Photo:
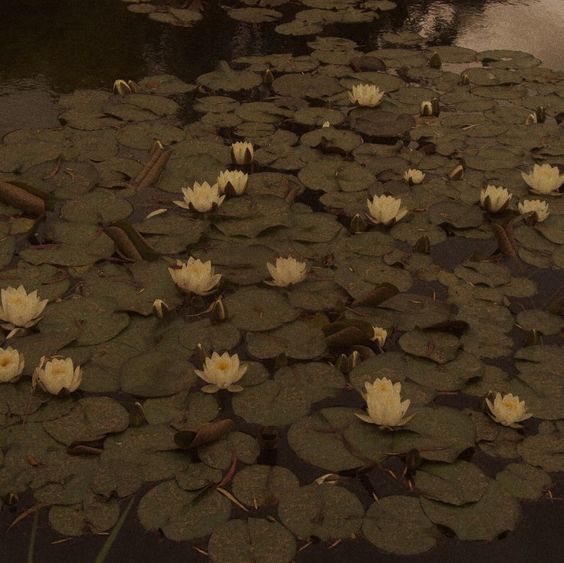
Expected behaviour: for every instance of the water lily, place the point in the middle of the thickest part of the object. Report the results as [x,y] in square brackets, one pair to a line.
[385,210]
[221,372]
[242,152]
[19,308]
[232,182]
[426,108]
[413,176]
[367,95]
[286,271]
[508,410]
[195,276]
[544,179]
[326,124]
[11,364]
[384,404]
[160,308]
[495,199]
[379,335]
[55,375]
[201,197]
[536,206]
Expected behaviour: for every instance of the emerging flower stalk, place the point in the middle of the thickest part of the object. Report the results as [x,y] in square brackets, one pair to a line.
[195,276]
[384,404]
[221,372]
[57,375]
[201,198]
[544,179]
[508,410]
[495,199]
[367,95]
[385,210]
[20,309]
[287,271]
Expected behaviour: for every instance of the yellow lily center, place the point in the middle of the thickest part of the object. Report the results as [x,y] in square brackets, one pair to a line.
[5,362]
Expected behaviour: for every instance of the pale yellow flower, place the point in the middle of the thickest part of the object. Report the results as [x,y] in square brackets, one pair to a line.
[11,364]
[287,271]
[536,206]
[20,309]
[242,152]
[221,372]
[495,199]
[384,404]
[508,410]
[201,197]
[385,210]
[379,335]
[195,276]
[544,179]
[235,179]
[367,95]
[413,176]
[55,375]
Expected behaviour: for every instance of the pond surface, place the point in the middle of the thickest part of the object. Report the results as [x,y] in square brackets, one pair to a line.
[471,298]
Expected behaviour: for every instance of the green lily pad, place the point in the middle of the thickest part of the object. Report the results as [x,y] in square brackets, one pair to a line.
[523,481]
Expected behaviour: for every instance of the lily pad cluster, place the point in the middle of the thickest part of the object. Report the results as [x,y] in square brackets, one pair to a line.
[469,299]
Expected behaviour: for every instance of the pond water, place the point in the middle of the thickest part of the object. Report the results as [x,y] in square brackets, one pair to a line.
[471,296]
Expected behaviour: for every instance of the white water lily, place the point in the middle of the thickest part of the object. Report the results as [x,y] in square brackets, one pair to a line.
[385,209]
[508,410]
[367,95]
[19,308]
[160,308]
[544,179]
[233,180]
[326,124]
[55,375]
[413,176]
[495,199]
[384,404]
[379,335]
[426,109]
[195,276]
[221,372]
[11,364]
[286,271]
[242,152]
[536,206]
[201,197]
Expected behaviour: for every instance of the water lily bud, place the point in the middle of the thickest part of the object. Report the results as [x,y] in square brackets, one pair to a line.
[508,410]
[232,182]
[426,109]
[326,124]
[456,173]
[384,404]
[495,199]
[385,210]
[242,152]
[286,271]
[328,479]
[57,375]
[199,356]
[358,224]
[221,372]
[412,461]
[368,95]
[544,179]
[379,335]
[464,79]
[137,415]
[11,364]
[157,147]
[531,119]
[267,77]
[536,206]
[160,308]
[435,61]
[133,86]
[121,87]
[218,313]
[435,107]
[201,198]
[413,176]
[20,309]
[195,276]
[540,114]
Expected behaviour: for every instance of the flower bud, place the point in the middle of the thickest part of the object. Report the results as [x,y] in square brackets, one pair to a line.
[267,77]
[456,173]
[358,224]
[160,308]
[218,313]
[464,79]
[540,114]
[531,119]
[426,109]
[121,87]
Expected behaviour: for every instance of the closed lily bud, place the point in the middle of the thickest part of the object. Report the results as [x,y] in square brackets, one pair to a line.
[157,147]
[242,152]
[495,199]
[218,313]
[358,224]
[426,109]
[531,119]
[267,77]
[536,206]
[379,335]
[121,87]
[160,308]
[413,176]
[540,114]
[456,173]
[464,79]
[435,61]
[232,182]
[326,124]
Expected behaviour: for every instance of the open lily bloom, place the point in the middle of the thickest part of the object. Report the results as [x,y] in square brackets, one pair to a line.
[508,410]
[544,179]
[286,271]
[368,95]
[55,375]
[379,335]
[202,197]
[20,309]
[11,364]
[413,176]
[495,199]
[221,372]
[232,180]
[195,276]
[536,206]
[385,210]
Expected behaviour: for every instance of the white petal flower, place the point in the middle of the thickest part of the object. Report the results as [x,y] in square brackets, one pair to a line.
[536,206]
[544,179]
[242,152]
[495,198]
[195,276]
[221,372]
[11,364]
[379,335]
[366,95]
[20,309]
[385,209]
[384,404]
[326,124]
[413,176]
[287,271]
[160,308]
[202,197]
[508,410]
[55,375]
[234,180]
[426,109]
